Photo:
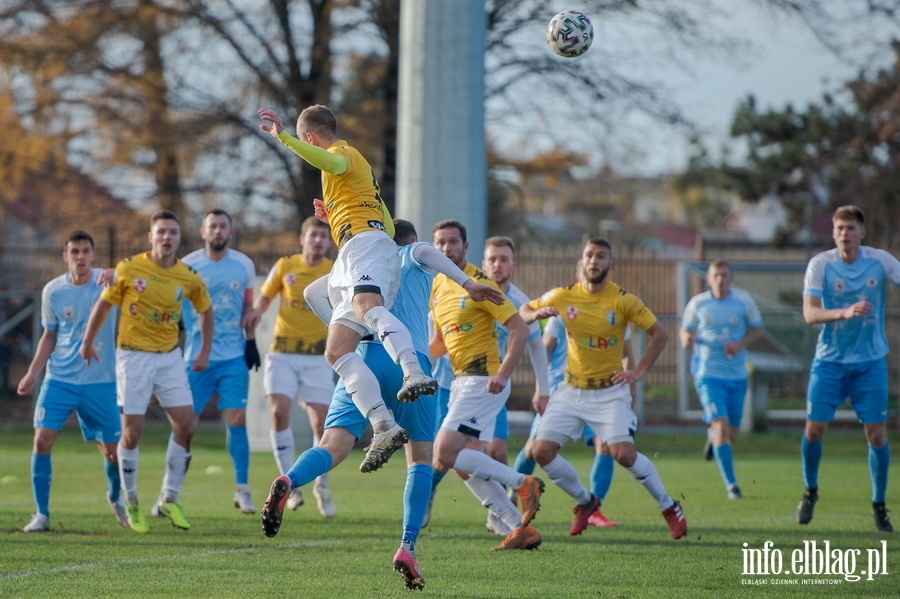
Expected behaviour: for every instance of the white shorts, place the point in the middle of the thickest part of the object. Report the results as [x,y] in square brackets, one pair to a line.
[472,410]
[307,374]
[369,262]
[607,411]
[140,374]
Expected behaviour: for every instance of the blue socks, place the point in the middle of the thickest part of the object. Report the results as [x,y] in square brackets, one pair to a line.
[726,463]
[811,454]
[239,450]
[415,501]
[601,475]
[879,460]
[113,482]
[309,466]
[41,473]
[523,464]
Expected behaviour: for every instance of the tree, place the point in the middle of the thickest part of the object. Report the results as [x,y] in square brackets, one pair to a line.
[842,149]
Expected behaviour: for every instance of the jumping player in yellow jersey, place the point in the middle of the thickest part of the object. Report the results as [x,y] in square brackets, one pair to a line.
[149,290]
[296,361]
[363,283]
[466,330]
[595,391]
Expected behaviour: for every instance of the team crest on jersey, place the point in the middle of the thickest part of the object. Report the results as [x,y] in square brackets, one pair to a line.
[571,312]
[289,280]
[179,294]
[140,285]
[707,320]
[235,285]
[68,312]
[611,317]
[872,282]
[839,285]
[462,302]
[735,319]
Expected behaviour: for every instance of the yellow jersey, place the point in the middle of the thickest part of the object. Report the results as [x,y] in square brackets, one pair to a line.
[151,297]
[467,326]
[595,330]
[353,198]
[297,329]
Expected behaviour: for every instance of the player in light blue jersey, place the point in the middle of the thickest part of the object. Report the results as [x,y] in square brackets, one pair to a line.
[718,325]
[844,289]
[230,276]
[345,424]
[69,384]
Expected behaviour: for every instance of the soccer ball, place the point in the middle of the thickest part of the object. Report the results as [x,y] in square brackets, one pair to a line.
[570,33]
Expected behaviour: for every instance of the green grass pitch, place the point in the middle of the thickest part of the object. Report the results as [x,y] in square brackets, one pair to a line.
[87,554]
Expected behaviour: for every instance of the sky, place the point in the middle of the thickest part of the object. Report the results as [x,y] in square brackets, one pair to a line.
[783,64]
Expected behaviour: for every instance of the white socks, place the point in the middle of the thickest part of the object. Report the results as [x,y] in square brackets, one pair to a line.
[395,337]
[128,467]
[481,465]
[178,459]
[493,497]
[283,448]
[645,473]
[563,474]
[364,389]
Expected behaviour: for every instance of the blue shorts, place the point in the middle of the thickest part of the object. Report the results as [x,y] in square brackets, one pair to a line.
[501,425]
[442,406]
[722,398]
[228,378]
[94,403]
[416,417]
[831,382]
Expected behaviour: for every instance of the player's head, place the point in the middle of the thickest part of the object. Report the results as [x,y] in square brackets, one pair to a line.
[719,278]
[315,238]
[849,228]
[404,232]
[596,261]
[78,252]
[165,233]
[449,236]
[499,258]
[216,229]
[317,125]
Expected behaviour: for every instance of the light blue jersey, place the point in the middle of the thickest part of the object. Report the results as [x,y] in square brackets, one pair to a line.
[517,297]
[230,282]
[840,285]
[65,308]
[415,284]
[716,323]
[557,329]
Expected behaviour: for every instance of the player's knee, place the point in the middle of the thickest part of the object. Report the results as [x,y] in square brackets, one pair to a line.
[544,452]
[876,436]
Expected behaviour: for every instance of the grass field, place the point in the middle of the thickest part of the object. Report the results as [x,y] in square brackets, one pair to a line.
[226,555]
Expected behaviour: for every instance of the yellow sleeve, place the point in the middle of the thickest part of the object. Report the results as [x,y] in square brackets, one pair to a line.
[320,158]
[272,285]
[388,220]
[114,293]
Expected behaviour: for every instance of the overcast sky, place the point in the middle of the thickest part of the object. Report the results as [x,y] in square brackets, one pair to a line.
[786,64]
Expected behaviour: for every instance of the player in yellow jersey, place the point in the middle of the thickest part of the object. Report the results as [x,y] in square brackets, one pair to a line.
[149,290]
[466,330]
[595,391]
[363,283]
[296,361]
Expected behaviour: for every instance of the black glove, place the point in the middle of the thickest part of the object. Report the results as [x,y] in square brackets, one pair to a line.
[251,355]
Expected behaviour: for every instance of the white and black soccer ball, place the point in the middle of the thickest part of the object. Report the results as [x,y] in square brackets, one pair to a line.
[570,33]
